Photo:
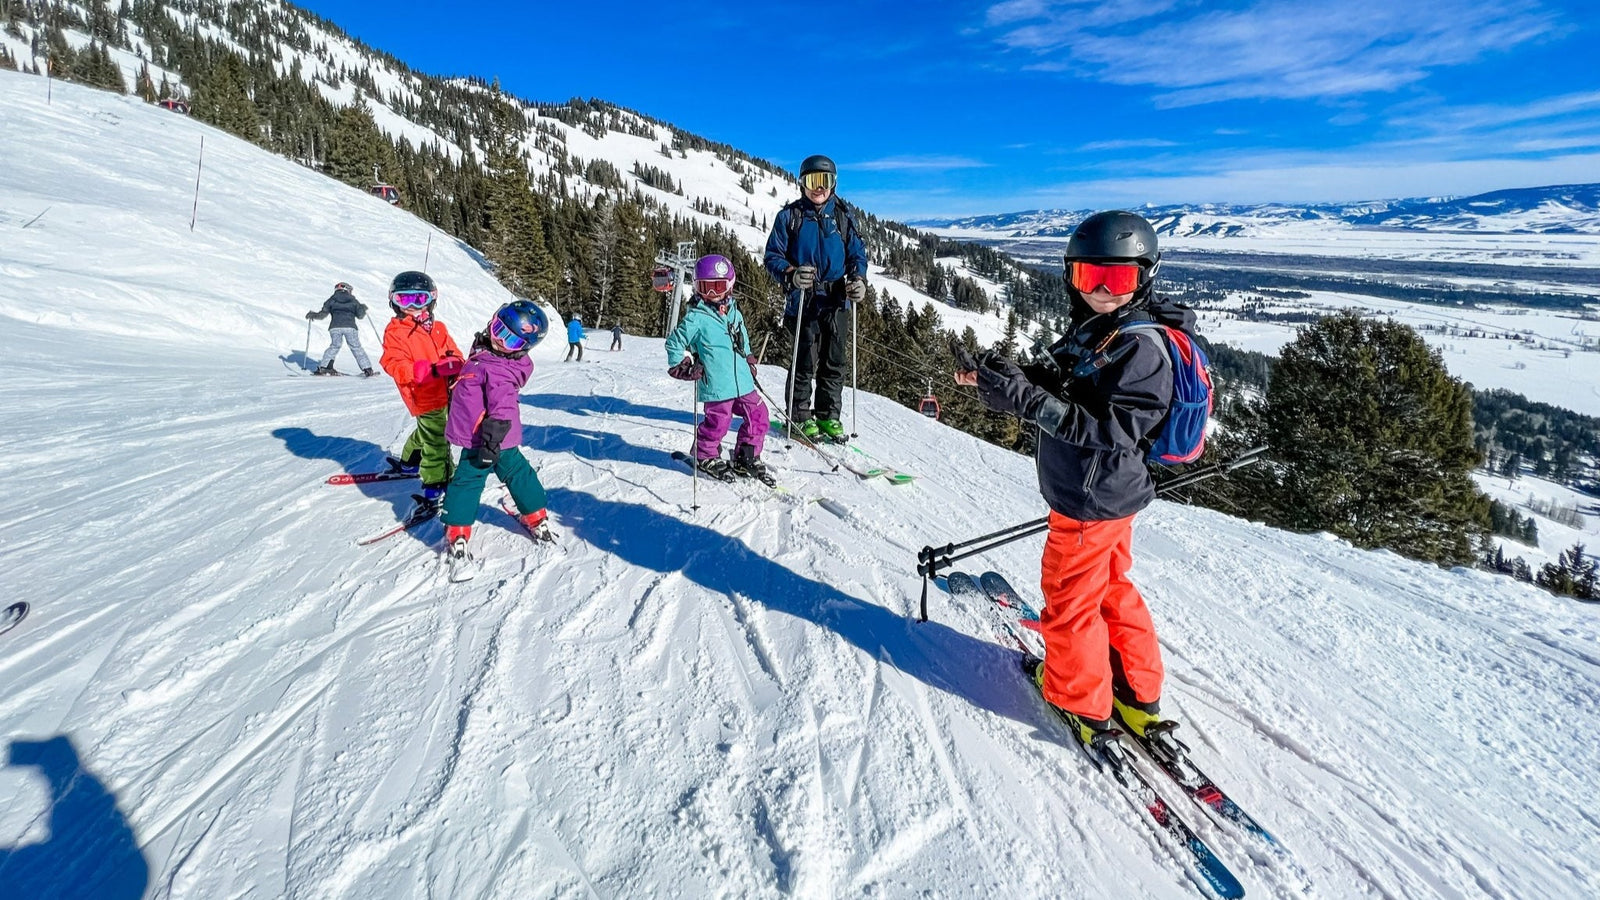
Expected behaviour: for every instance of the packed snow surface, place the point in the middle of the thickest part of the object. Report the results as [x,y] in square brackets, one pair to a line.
[218,694]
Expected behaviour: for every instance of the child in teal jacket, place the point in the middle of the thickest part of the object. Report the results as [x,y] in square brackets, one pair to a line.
[712,337]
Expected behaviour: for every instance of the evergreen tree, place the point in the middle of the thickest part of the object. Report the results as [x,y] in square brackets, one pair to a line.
[514,226]
[145,87]
[355,146]
[223,98]
[1372,440]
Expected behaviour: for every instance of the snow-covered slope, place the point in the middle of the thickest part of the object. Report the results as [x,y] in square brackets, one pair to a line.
[729,701]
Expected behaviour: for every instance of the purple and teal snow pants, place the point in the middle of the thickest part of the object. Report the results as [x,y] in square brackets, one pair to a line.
[719,417]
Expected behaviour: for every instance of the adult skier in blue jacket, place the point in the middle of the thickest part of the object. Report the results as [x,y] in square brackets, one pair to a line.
[575,338]
[815,252]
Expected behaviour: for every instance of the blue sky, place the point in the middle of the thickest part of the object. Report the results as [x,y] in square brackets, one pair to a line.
[966,108]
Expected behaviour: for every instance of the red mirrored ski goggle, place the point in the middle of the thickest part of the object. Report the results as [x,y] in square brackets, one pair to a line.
[714,288]
[1118,278]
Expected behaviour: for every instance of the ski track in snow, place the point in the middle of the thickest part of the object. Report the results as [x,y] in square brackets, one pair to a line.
[732,701]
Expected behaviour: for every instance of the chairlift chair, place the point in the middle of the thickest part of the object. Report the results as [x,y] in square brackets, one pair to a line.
[662,279]
[386,192]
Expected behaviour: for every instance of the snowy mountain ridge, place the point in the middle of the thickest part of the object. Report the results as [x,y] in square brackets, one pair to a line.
[1554,209]
[218,694]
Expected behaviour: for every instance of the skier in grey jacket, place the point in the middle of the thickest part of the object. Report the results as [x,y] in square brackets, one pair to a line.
[345,310]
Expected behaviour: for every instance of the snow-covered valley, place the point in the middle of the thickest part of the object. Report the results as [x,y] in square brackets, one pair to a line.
[730,701]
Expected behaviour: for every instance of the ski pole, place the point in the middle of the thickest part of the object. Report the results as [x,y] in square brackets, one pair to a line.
[307,352]
[694,438]
[855,386]
[804,441]
[931,559]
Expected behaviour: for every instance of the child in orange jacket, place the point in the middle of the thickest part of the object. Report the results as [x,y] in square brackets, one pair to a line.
[420,356]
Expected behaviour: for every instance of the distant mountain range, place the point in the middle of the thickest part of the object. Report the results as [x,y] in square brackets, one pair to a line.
[1556,209]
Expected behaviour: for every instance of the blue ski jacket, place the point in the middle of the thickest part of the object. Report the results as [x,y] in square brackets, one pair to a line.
[815,240]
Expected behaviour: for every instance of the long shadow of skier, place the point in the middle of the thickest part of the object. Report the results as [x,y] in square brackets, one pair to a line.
[587,404]
[598,446]
[91,851]
[977,671]
[351,455]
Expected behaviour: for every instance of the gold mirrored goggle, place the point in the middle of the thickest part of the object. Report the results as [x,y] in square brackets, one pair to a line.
[813,180]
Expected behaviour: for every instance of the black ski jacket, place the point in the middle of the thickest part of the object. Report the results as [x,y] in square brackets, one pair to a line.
[1094,430]
[345,309]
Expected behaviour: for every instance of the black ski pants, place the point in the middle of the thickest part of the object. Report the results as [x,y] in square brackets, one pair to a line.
[824,332]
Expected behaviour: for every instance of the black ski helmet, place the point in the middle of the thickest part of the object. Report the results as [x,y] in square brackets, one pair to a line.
[407,282]
[1115,236]
[819,163]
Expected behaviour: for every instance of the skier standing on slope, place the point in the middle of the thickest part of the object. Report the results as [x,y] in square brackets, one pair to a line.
[616,336]
[575,338]
[345,310]
[420,356]
[1097,401]
[815,252]
[486,423]
[711,337]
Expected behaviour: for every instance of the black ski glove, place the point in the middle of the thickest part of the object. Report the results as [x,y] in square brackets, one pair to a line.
[311,315]
[1003,387]
[687,369]
[490,436]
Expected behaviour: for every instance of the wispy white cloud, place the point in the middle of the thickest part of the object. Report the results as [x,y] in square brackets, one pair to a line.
[917,163]
[1127,144]
[1267,49]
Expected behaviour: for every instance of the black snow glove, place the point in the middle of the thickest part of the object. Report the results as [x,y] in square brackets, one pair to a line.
[1004,386]
[490,436]
[311,315]
[687,369]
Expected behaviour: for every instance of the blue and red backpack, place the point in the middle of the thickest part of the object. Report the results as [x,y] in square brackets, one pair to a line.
[1182,435]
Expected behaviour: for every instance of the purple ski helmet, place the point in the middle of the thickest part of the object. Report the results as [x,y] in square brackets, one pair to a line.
[713,277]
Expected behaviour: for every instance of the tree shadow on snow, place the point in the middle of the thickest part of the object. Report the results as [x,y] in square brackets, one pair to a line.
[91,851]
[982,673]
[350,455]
[596,405]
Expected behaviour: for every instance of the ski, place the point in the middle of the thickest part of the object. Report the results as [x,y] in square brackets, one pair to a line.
[460,562]
[890,474]
[1116,759]
[1171,756]
[1016,622]
[540,535]
[1168,753]
[419,514]
[369,477]
[12,616]
[683,458]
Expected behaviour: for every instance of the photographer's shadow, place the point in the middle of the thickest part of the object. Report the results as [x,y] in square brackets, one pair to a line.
[91,851]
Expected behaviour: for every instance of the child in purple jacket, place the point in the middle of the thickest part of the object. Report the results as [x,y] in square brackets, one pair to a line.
[484,416]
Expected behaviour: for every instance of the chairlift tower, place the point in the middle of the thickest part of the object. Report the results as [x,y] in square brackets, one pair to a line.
[683,261]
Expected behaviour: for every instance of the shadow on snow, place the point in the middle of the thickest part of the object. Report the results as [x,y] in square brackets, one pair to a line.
[981,673]
[91,851]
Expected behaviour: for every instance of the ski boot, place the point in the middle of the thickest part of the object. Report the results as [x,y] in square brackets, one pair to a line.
[326,369]
[455,543]
[1098,738]
[833,430]
[367,373]
[1156,733]
[401,467]
[538,528]
[715,467]
[427,503]
[809,429]
[747,465]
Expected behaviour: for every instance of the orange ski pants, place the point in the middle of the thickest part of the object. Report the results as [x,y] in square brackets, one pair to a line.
[1094,618]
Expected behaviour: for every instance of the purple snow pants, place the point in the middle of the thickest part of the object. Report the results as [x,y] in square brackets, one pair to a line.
[719,416]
